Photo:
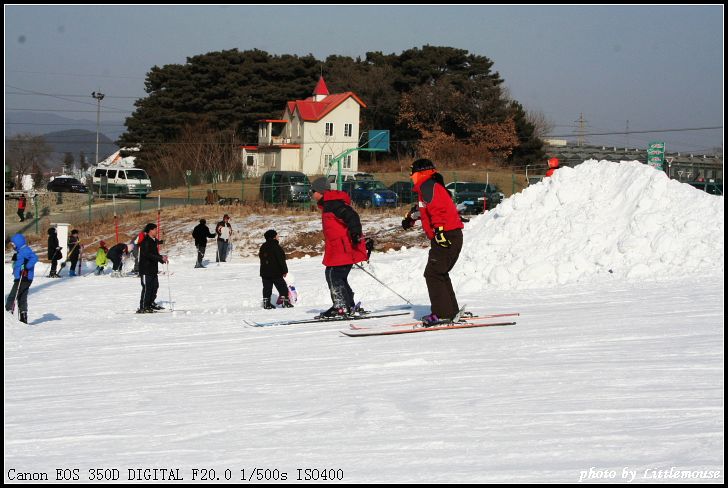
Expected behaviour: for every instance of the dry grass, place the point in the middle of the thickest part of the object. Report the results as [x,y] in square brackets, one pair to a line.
[176,221]
[508,181]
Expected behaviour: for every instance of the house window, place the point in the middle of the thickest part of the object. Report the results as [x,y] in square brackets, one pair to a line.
[250,161]
[348,129]
[328,158]
[329,129]
[347,162]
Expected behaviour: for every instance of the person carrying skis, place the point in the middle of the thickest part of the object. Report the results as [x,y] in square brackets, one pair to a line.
[201,233]
[23,272]
[344,246]
[74,249]
[101,256]
[273,270]
[115,255]
[54,252]
[224,232]
[441,222]
[149,259]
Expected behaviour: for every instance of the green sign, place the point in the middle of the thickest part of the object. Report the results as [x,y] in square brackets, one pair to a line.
[656,155]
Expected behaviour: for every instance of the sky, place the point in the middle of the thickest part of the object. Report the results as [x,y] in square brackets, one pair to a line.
[643,67]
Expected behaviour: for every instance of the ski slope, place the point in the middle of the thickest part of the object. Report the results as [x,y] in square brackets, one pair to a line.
[607,375]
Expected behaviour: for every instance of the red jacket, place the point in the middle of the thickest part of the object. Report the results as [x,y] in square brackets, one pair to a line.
[436,207]
[340,222]
[21,204]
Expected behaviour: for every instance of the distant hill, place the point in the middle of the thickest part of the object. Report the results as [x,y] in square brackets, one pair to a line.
[75,141]
[38,123]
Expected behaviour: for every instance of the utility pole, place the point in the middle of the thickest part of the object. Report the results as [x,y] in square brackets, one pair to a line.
[580,130]
[98,96]
[626,131]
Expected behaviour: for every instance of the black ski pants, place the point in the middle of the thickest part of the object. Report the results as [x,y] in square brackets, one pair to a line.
[341,293]
[150,285]
[200,253]
[280,285]
[117,263]
[441,260]
[18,294]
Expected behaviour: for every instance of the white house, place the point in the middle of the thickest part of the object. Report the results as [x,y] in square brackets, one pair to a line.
[309,134]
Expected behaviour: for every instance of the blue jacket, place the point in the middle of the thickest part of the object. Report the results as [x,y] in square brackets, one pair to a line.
[26,257]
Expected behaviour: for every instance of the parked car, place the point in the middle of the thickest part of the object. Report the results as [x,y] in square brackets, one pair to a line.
[712,187]
[66,184]
[285,187]
[370,193]
[470,196]
[404,191]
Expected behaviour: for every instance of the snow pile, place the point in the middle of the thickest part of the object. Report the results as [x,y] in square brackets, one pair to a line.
[599,221]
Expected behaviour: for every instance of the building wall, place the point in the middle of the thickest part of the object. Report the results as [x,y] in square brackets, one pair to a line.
[315,143]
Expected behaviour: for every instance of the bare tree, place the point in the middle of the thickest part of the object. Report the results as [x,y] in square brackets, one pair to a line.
[542,125]
[26,154]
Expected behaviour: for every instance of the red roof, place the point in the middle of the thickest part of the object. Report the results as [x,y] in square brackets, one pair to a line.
[321,88]
[312,111]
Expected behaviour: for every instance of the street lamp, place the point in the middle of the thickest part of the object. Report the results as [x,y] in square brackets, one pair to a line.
[98,96]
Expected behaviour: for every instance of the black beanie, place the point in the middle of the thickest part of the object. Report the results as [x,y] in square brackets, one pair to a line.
[149,227]
[270,234]
[422,165]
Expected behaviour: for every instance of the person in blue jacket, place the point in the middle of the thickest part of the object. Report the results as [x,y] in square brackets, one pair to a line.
[23,272]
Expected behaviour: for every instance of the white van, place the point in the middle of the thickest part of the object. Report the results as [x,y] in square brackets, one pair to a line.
[121,181]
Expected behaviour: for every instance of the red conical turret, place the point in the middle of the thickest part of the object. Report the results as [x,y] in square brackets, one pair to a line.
[321,88]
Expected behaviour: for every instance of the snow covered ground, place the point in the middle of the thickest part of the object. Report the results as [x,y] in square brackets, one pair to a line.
[607,375]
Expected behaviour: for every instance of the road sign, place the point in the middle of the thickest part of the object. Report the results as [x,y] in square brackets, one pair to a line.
[656,155]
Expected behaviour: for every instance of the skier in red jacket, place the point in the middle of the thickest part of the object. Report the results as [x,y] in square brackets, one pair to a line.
[344,246]
[442,224]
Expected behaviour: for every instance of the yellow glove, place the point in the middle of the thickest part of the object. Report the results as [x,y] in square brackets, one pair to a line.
[440,238]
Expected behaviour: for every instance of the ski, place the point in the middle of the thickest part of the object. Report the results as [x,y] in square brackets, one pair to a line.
[134,312]
[474,317]
[334,319]
[454,325]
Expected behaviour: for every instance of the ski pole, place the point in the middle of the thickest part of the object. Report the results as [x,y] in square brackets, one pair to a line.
[17,292]
[381,283]
[169,289]
[384,231]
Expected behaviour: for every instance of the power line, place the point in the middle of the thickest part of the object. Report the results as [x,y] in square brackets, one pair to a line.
[76,74]
[33,92]
[74,96]
[62,110]
[642,131]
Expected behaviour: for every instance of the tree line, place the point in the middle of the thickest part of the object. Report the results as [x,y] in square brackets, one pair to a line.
[438,102]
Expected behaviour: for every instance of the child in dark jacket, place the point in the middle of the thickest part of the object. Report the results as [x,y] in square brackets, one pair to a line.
[273,270]
[54,252]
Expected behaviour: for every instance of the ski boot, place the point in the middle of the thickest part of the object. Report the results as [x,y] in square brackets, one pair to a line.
[433,320]
[286,303]
[267,304]
[156,307]
[356,311]
[24,317]
[333,313]
[145,310]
